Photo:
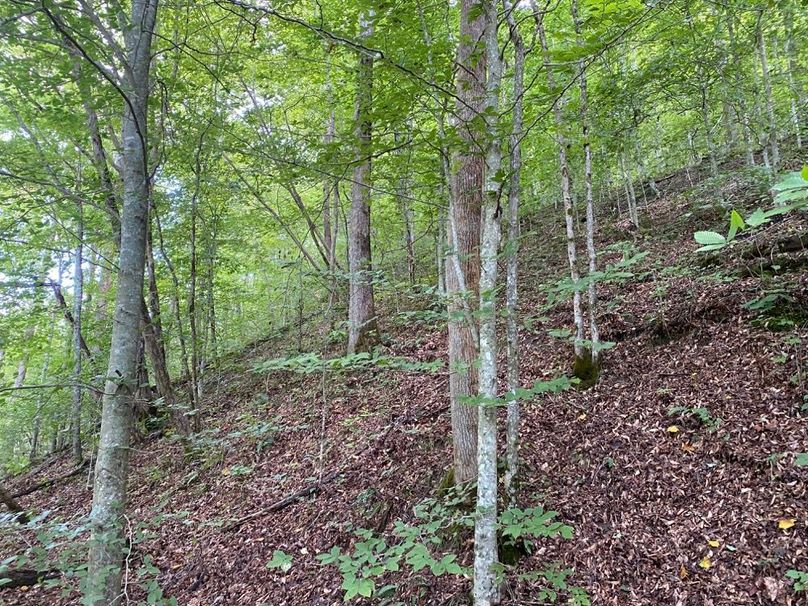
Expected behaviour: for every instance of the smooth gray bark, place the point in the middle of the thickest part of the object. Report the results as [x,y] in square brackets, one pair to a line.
[78,296]
[512,267]
[486,590]
[773,144]
[107,541]
[566,187]
[594,335]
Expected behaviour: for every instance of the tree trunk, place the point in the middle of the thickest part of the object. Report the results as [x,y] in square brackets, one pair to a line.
[511,290]
[178,321]
[464,220]
[107,541]
[592,292]
[797,100]
[708,132]
[566,188]
[363,332]
[78,296]
[739,92]
[631,199]
[486,590]
[407,215]
[329,192]
[41,399]
[774,146]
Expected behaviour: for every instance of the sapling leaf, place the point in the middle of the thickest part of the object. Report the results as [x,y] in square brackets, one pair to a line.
[709,238]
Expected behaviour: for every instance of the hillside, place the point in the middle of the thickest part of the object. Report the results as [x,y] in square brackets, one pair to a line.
[676,470]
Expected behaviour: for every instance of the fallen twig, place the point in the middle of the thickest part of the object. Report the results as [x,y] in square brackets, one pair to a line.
[51,481]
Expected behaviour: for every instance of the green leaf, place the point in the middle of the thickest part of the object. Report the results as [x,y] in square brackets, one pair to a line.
[804,172]
[801,460]
[280,560]
[709,238]
[735,223]
[757,218]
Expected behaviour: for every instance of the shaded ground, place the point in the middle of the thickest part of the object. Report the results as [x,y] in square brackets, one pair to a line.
[677,507]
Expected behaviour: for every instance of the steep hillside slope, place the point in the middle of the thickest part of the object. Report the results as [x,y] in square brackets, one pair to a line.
[677,470]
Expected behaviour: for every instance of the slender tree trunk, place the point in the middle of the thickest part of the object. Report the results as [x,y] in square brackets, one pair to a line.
[774,146]
[631,199]
[107,541]
[566,188]
[486,590]
[797,100]
[176,308]
[363,332]
[193,315]
[512,273]
[464,219]
[155,344]
[739,92]
[708,132]
[592,292]
[407,215]
[78,296]
[211,294]
[40,404]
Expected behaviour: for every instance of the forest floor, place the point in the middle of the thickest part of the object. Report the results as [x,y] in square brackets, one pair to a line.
[676,471]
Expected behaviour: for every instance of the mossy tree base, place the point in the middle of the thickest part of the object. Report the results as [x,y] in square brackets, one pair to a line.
[586,370]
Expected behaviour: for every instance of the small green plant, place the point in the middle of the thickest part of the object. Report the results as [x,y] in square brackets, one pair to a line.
[800,578]
[423,546]
[61,545]
[776,309]
[700,413]
[239,470]
[554,583]
[280,561]
[792,189]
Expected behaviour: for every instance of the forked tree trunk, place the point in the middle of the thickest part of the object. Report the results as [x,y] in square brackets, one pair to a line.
[107,541]
[363,332]
[463,227]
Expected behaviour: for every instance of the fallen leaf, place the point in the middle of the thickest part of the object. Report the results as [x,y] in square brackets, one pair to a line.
[705,563]
[714,543]
[682,572]
[786,523]
[673,429]
[688,447]
[582,417]
[772,587]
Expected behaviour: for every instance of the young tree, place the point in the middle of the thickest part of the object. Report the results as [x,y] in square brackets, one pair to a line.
[566,186]
[363,331]
[486,590]
[107,541]
[78,294]
[512,268]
